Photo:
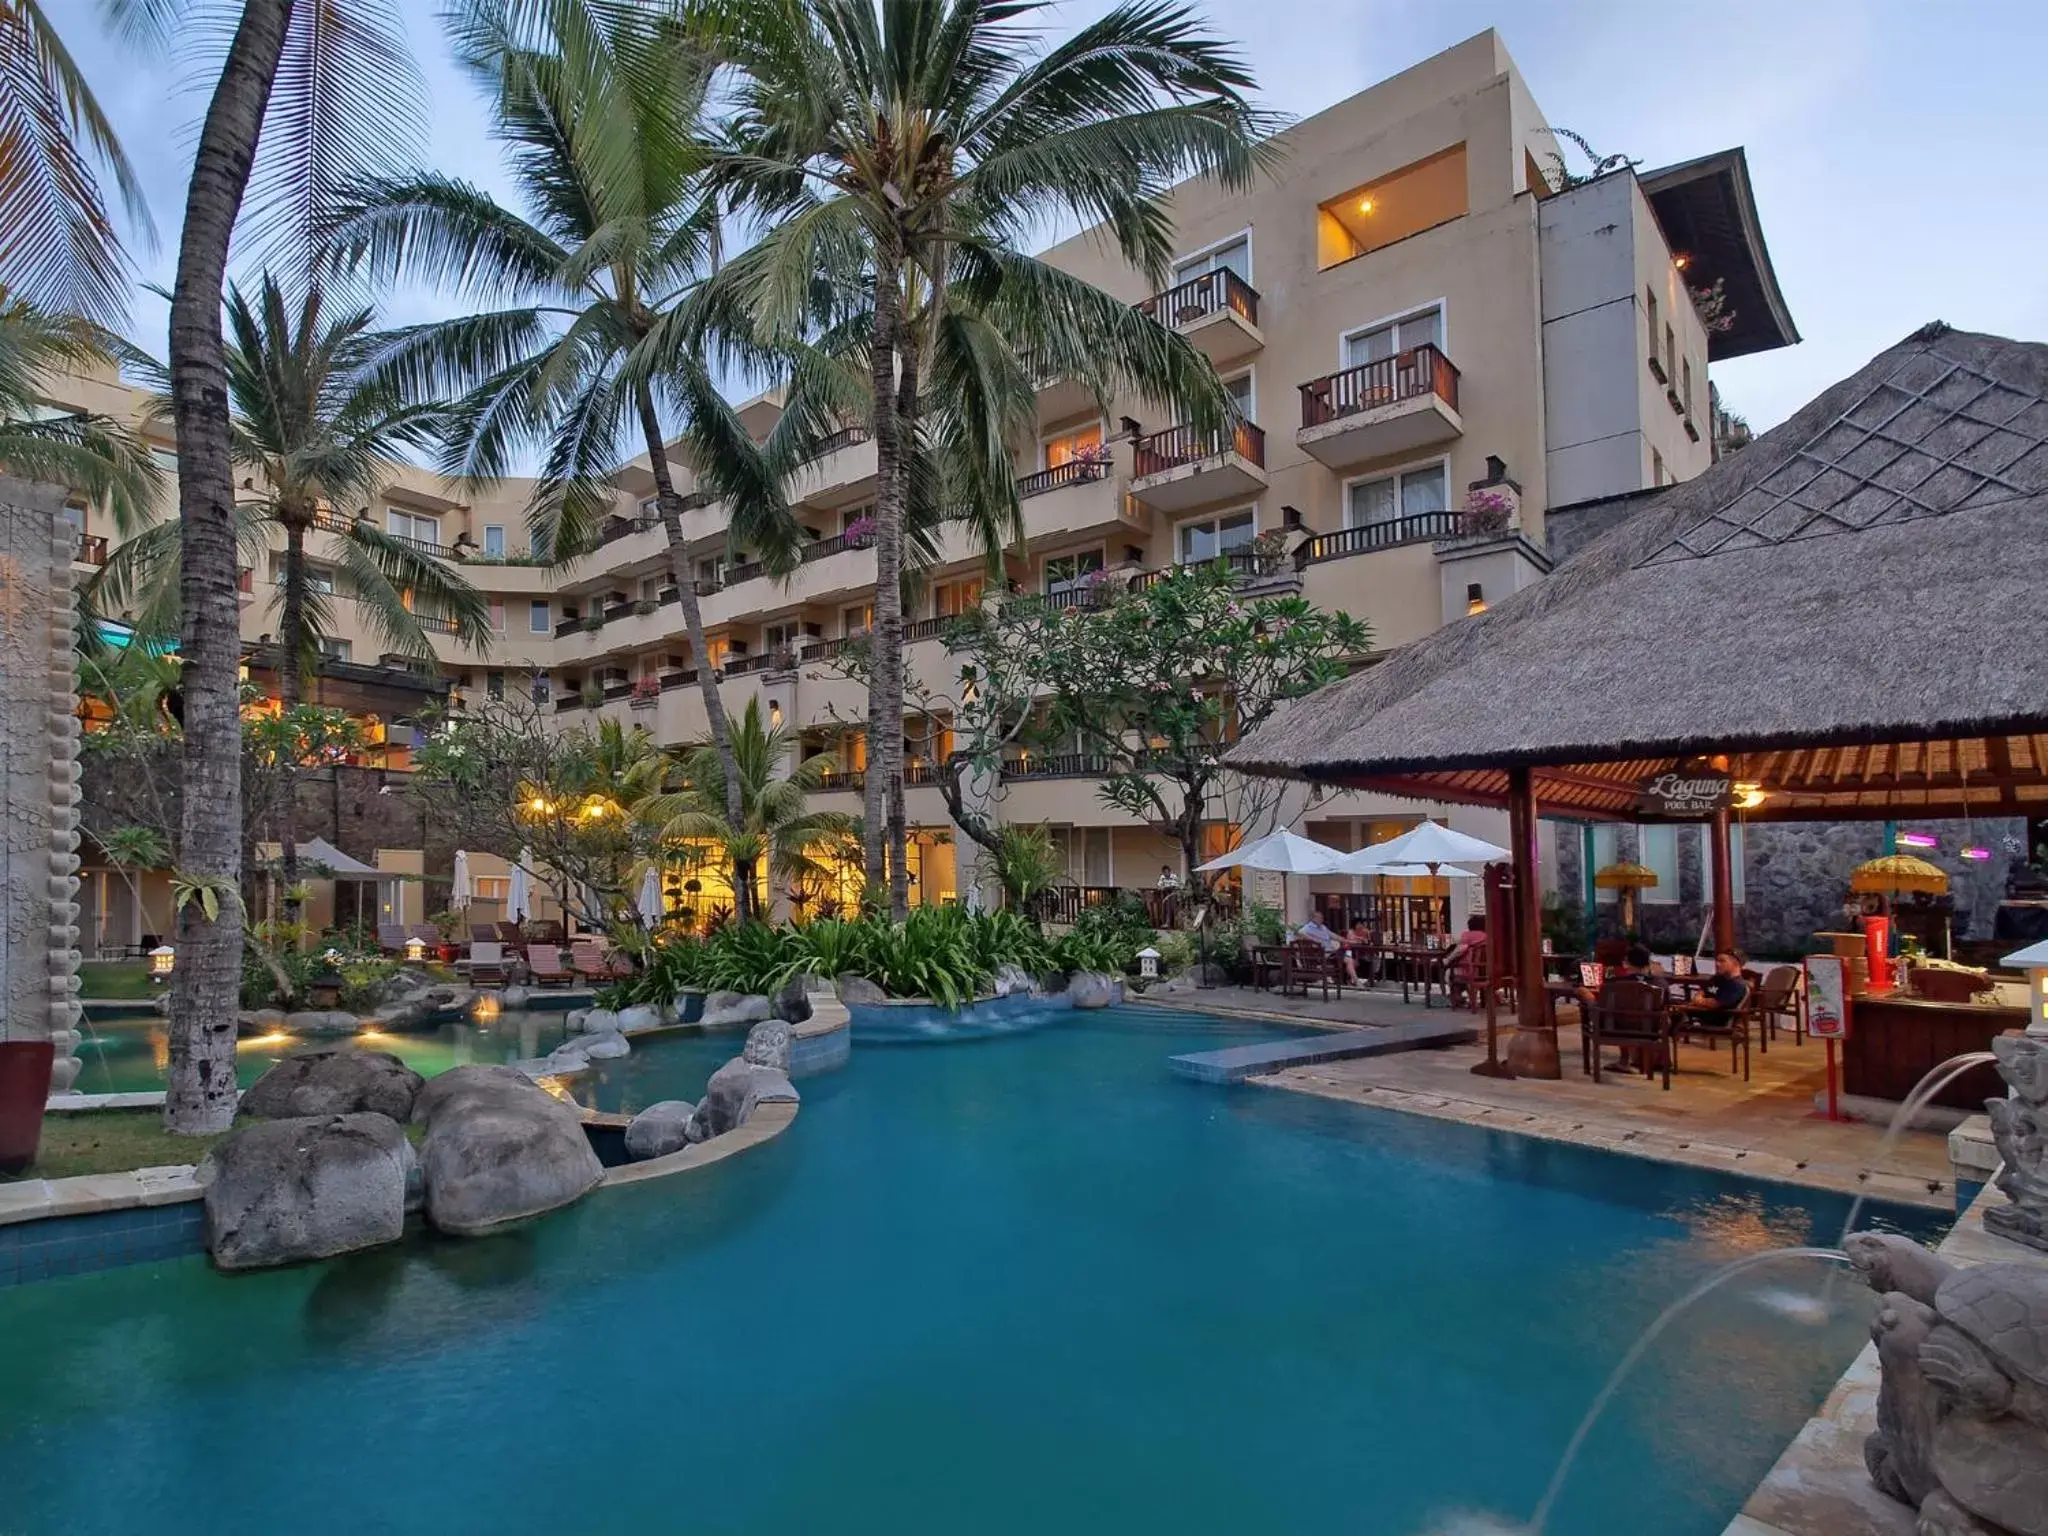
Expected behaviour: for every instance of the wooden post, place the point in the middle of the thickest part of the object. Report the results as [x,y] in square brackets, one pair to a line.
[1724,884]
[1533,1051]
[1496,952]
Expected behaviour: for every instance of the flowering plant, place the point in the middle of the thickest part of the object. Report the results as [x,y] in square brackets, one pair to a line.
[1488,511]
[648,686]
[860,530]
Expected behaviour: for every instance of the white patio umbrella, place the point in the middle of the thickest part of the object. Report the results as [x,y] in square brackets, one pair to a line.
[1430,843]
[650,904]
[1420,872]
[1282,852]
[519,899]
[459,892]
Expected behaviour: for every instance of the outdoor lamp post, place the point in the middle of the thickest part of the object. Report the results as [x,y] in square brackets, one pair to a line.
[161,960]
[415,948]
[2034,960]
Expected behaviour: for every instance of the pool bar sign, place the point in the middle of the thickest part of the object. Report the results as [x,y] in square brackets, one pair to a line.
[1827,999]
[1685,794]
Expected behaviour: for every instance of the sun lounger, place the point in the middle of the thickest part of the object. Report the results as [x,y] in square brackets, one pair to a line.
[544,964]
[487,963]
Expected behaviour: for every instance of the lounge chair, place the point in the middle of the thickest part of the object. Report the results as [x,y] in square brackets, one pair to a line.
[487,963]
[544,965]
[587,961]
[391,937]
[483,933]
[548,931]
[512,936]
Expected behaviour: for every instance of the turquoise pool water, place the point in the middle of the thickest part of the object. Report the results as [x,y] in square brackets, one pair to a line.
[1013,1286]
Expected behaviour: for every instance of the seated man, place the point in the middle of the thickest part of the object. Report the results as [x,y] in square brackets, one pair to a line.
[1635,966]
[1317,931]
[1717,1005]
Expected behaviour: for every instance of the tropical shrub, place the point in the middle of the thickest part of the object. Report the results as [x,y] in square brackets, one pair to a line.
[1092,950]
[667,970]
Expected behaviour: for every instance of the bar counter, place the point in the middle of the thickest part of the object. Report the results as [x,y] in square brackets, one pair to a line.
[1896,1039]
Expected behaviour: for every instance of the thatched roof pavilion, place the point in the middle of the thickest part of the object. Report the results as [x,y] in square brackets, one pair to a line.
[1853,610]
[1849,614]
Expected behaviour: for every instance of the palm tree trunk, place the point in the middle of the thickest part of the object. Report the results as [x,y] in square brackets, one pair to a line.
[291,633]
[201,1088]
[881,831]
[671,507]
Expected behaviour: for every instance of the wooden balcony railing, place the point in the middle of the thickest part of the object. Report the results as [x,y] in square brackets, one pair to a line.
[90,549]
[1056,765]
[1200,297]
[1184,445]
[846,437]
[434,624]
[1410,375]
[1073,472]
[1367,537]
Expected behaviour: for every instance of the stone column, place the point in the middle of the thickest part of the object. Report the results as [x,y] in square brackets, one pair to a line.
[39,938]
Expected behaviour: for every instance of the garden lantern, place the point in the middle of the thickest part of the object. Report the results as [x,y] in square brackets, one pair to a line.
[2034,961]
[415,948]
[1148,962]
[161,960]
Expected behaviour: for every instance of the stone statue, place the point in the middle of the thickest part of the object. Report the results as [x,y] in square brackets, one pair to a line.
[1962,1415]
[2019,1125]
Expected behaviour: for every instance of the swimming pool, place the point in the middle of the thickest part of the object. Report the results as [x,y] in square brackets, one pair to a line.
[1011,1285]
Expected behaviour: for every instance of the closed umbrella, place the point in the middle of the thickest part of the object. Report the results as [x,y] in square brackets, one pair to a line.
[1282,852]
[519,899]
[650,903]
[459,892]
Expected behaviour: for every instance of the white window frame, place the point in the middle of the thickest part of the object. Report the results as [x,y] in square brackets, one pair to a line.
[335,648]
[1250,255]
[411,518]
[1250,374]
[1442,460]
[1442,306]
[1101,551]
[1180,549]
[504,545]
[538,609]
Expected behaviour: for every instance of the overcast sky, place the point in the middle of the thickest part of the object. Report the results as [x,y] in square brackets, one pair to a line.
[1897,146]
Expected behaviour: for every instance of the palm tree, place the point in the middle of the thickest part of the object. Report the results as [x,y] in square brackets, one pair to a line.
[101,458]
[600,106]
[899,156]
[336,86]
[58,249]
[773,826]
[318,426]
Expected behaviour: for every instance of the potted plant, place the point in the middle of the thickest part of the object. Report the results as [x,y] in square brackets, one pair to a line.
[594,621]
[646,691]
[1091,463]
[860,533]
[447,924]
[592,693]
[1487,511]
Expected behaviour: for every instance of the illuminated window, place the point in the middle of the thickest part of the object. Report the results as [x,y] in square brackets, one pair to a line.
[1416,197]
[857,620]
[491,887]
[956,597]
[1070,445]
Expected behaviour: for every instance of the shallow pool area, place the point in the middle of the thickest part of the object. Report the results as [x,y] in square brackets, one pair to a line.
[1013,1284]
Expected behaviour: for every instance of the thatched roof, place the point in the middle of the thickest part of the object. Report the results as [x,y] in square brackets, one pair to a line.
[1852,608]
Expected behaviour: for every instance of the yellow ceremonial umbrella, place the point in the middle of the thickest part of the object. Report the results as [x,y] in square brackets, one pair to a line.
[1898,872]
[1626,878]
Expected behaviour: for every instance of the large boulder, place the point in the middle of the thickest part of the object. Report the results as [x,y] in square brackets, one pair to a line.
[398,987]
[592,1021]
[321,1021]
[515,996]
[734,1092]
[767,1045]
[725,1010]
[659,1129]
[260,1021]
[641,1016]
[792,1004]
[1093,989]
[499,1149]
[283,1191]
[608,1046]
[339,1080]
[858,991]
[1013,980]
[570,1055]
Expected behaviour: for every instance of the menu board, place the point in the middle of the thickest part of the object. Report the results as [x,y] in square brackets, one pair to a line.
[1827,998]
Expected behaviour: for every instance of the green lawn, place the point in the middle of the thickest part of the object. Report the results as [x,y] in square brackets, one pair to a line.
[110,1141]
[120,980]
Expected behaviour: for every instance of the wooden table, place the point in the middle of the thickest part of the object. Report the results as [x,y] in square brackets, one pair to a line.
[1418,964]
[1894,1041]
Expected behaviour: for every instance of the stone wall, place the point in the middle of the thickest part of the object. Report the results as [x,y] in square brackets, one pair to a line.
[1795,879]
[39,740]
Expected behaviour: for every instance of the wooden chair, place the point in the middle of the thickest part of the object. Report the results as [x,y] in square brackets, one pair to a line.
[487,963]
[1629,1012]
[544,965]
[1780,1000]
[1324,967]
[1732,1027]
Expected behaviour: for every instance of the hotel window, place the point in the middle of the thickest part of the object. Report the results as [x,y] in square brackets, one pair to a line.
[412,525]
[952,598]
[537,688]
[538,619]
[1650,315]
[650,588]
[1204,541]
[494,540]
[1658,849]
[1063,573]
[1416,197]
[857,620]
[853,515]
[1070,445]
[497,616]
[334,649]
[1239,389]
[494,684]
[1656,467]
[1233,254]
[1423,328]
[491,887]
[1670,353]
[1392,498]
[1685,388]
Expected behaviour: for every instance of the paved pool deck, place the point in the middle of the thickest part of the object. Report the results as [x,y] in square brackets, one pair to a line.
[1767,1128]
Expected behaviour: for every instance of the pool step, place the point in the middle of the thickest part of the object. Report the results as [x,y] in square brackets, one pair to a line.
[1238,1062]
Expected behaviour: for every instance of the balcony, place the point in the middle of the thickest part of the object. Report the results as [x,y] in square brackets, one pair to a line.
[1182,468]
[1385,407]
[1426,527]
[89,549]
[1078,497]
[1218,312]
